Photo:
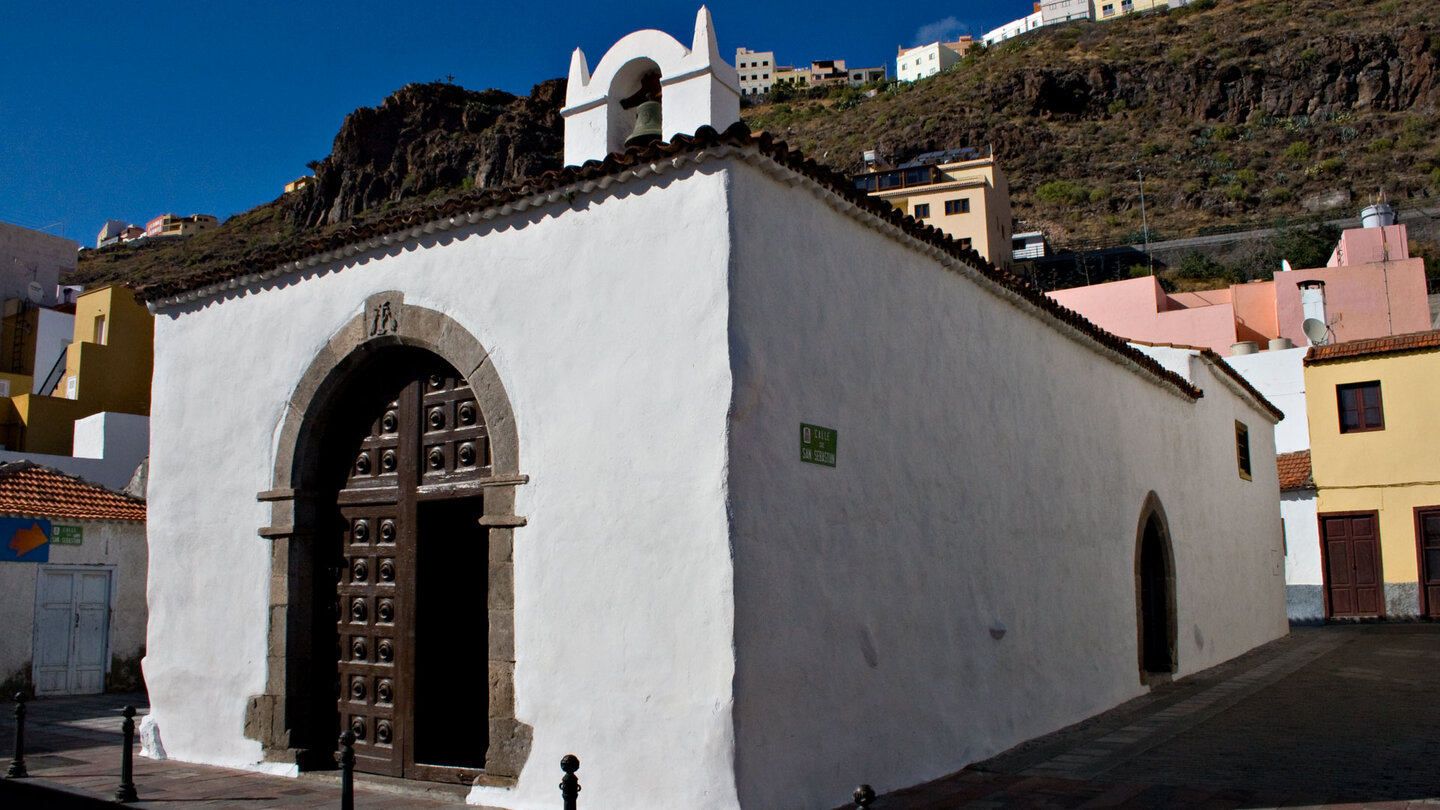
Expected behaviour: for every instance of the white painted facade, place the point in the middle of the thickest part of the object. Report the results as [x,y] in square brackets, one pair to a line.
[699,88]
[1014,28]
[116,548]
[31,263]
[1304,574]
[704,619]
[1280,375]
[926,60]
[54,331]
[707,594]
[1058,11]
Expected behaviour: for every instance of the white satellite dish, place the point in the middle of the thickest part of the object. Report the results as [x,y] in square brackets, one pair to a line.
[1316,330]
[35,292]
[1285,265]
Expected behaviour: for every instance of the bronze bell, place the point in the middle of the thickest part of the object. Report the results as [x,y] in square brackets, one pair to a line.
[647,124]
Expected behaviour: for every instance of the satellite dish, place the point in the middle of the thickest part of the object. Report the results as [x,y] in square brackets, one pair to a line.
[1316,330]
[35,292]
[1285,265]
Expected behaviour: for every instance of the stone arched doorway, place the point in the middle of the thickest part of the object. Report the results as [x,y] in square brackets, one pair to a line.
[1155,594]
[391,587]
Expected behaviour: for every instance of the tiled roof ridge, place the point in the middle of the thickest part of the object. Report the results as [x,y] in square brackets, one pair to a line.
[1294,471]
[1389,344]
[124,506]
[738,135]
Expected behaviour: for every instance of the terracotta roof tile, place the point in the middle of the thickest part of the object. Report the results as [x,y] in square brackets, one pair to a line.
[739,136]
[1294,470]
[34,491]
[1391,344]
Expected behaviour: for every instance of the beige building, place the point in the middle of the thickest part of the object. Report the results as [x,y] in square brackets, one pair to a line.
[958,192]
[171,225]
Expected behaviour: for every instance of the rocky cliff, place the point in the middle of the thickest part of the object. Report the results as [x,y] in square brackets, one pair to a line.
[428,138]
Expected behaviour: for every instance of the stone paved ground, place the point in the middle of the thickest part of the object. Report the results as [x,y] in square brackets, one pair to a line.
[1343,716]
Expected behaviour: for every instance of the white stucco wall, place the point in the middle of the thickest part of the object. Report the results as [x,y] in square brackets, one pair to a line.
[1304,574]
[53,333]
[1280,376]
[991,473]
[606,320]
[116,545]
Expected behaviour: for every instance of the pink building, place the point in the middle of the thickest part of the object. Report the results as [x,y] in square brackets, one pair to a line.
[1372,288]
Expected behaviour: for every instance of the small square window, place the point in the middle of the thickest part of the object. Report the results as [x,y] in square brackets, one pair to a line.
[1242,449]
[922,210]
[960,206]
[966,243]
[1360,407]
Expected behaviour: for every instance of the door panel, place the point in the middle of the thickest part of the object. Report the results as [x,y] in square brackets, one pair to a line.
[72,632]
[426,443]
[1427,531]
[1353,583]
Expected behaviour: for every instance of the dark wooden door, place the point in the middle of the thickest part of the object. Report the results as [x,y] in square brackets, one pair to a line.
[1427,536]
[1353,584]
[412,578]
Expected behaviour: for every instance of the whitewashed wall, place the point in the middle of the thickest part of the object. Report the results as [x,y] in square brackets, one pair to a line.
[1304,574]
[991,474]
[606,320]
[1280,376]
[116,545]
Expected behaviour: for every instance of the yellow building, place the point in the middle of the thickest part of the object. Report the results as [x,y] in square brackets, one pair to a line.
[958,192]
[1376,463]
[107,368]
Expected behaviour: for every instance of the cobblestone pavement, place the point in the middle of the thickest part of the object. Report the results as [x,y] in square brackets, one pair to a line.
[1341,716]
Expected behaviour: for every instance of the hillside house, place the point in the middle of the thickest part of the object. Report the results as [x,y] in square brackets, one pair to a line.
[962,192]
[72,583]
[727,474]
[1375,461]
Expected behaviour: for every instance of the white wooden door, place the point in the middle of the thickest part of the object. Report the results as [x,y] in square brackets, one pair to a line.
[72,622]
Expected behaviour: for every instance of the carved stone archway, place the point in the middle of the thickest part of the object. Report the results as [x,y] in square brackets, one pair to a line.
[289,719]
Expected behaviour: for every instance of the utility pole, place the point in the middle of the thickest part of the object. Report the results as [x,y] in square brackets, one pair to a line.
[1145,222]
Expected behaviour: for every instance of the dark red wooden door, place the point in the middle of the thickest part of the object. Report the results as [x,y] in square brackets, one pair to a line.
[1427,535]
[412,577]
[1353,583]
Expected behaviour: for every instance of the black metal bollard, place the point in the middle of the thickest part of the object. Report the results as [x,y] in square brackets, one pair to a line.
[570,784]
[863,796]
[347,770]
[126,791]
[17,763]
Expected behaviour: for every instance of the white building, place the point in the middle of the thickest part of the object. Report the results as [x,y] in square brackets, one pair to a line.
[740,485]
[756,70]
[1059,11]
[72,583]
[927,60]
[1014,28]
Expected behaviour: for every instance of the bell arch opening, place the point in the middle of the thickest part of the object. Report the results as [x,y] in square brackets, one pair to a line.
[1155,594]
[392,584]
[635,84]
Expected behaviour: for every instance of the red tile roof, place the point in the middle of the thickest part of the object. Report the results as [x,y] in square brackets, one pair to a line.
[1391,344]
[1294,470]
[276,259]
[34,491]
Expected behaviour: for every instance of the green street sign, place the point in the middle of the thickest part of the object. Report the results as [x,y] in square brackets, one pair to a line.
[817,445]
[67,535]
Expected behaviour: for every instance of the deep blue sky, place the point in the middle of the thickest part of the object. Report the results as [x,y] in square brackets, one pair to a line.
[130,111]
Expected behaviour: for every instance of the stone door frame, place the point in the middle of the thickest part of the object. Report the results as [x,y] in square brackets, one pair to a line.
[283,718]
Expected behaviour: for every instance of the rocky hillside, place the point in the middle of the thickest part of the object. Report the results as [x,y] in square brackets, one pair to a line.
[1238,112]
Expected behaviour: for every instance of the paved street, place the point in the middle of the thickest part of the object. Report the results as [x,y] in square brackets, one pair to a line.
[1329,716]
